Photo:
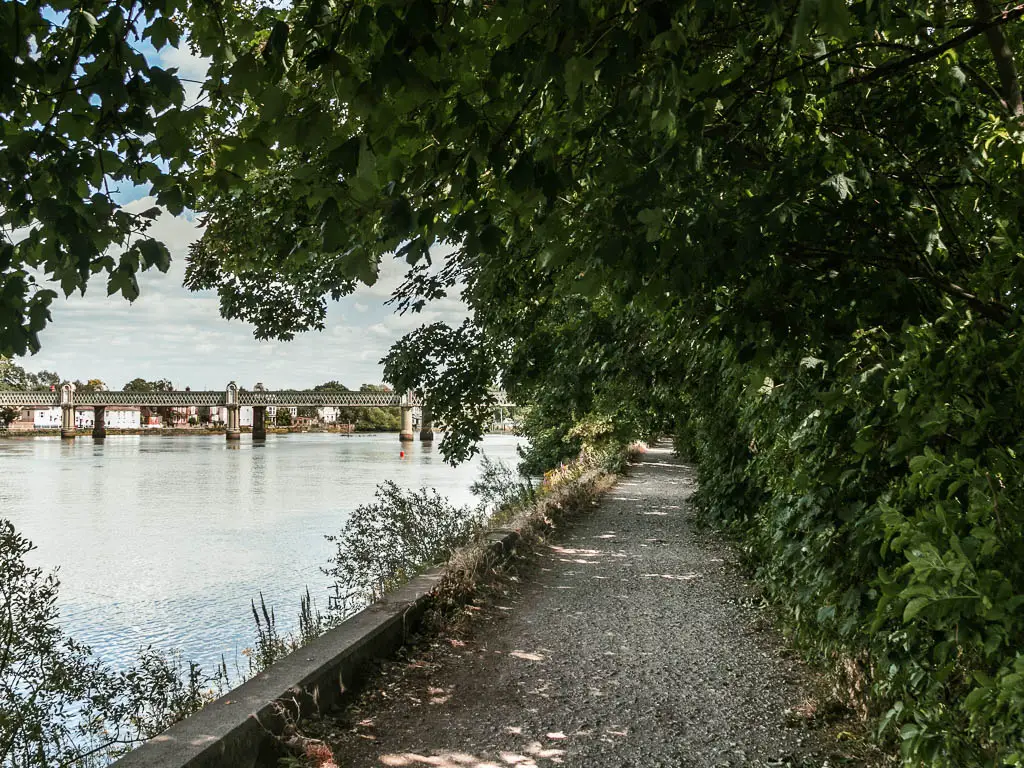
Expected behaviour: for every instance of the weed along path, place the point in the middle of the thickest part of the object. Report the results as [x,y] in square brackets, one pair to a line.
[626,640]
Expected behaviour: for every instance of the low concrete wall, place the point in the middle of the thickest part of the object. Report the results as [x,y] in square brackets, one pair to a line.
[238,729]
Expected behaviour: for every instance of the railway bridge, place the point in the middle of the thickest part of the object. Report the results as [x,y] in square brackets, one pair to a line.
[231,399]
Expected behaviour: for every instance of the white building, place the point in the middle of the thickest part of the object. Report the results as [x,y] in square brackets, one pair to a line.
[122,417]
[114,417]
[46,418]
[332,414]
[272,411]
[219,415]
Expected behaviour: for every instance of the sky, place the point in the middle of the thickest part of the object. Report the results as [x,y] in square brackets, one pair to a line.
[171,333]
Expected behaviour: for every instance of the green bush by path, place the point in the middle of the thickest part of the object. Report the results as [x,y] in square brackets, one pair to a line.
[879,494]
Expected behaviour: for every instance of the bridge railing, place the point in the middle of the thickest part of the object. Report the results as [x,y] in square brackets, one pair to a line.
[149,399]
[201,398]
[321,399]
[27,399]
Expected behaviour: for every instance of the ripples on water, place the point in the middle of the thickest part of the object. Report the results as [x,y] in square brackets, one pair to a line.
[165,540]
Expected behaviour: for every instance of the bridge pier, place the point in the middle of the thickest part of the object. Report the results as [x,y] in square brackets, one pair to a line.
[406,434]
[67,412]
[99,426]
[233,431]
[67,422]
[426,425]
[259,422]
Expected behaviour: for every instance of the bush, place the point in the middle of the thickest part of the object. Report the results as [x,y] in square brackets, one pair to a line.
[500,488]
[61,706]
[387,542]
[163,688]
[879,491]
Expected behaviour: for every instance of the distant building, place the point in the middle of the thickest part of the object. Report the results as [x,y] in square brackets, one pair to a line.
[24,422]
[114,417]
[219,415]
[122,417]
[272,411]
[46,418]
[331,414]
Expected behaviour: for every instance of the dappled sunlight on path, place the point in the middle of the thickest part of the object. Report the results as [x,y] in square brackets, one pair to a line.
[628,641]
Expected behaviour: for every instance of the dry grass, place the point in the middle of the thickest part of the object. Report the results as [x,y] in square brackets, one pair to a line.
[574,490]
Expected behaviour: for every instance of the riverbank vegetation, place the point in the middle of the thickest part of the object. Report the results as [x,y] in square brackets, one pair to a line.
[405,531]
[59,704]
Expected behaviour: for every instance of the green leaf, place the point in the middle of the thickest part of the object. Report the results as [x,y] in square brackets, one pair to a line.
[277,42]
[843,185]
[346,157]
[914,607]
[172,199]
[834,16]
[804,21]
[653,218]
[86,25]
[155,254]
[578,71]
[367,168]
[165,81]
[333,232]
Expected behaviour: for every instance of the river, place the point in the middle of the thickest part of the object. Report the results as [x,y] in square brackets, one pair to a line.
[164,541]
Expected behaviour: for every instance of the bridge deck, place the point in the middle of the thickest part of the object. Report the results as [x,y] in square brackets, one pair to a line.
[283,398]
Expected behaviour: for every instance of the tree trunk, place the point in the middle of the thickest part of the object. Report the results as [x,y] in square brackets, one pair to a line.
[1005,65]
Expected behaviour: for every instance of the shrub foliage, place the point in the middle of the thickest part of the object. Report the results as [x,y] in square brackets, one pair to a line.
[388,541]
[880,499]
[59,704]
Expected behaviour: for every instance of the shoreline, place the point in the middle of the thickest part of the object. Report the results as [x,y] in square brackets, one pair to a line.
[184,432]
[191,432]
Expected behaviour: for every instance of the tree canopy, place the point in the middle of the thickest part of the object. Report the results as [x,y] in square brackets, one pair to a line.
[790,230]
[142,385]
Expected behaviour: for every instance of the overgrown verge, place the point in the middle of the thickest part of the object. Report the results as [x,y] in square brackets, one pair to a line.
[566,492]
[402,532]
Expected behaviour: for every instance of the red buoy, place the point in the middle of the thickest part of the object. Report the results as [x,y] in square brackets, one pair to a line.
[401,454]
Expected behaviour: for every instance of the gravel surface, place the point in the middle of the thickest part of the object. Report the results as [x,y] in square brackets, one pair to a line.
[630,640]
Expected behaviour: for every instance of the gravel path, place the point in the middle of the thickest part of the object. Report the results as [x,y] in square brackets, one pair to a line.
[630,641]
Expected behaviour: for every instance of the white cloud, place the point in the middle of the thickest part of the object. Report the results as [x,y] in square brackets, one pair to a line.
[172,333]
[190,67]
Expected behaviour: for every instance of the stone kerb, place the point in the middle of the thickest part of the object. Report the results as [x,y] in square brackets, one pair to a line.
[238,730]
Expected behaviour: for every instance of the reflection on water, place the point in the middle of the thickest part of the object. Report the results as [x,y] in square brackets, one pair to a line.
[164,540]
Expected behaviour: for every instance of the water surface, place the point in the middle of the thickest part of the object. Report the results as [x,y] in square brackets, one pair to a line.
[163,541]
